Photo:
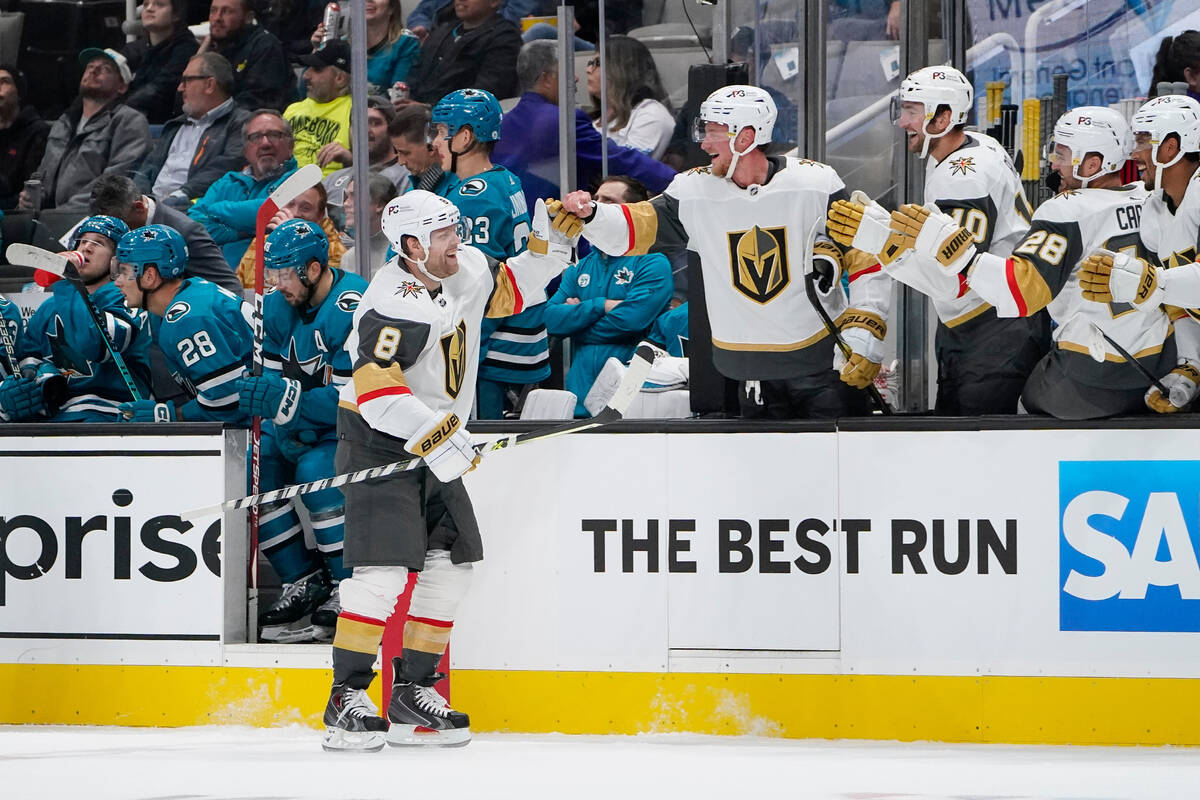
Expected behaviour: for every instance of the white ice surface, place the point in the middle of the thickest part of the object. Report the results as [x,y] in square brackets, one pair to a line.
[231,763]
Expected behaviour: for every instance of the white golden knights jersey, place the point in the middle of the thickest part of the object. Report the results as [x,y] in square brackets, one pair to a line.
[1042,272]
[754,244]
[1170,235]
[414,351]
[978,186]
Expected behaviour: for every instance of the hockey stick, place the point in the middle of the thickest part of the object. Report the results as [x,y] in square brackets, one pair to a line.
[631,384]
[10,348]
[299,181]
[1121,351]
[810,288]
[66,266]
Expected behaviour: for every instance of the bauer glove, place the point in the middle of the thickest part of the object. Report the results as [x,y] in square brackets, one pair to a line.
[1108,277]
[446,447]
[270,396]
[863,333]
[564,221]
[147,411]
[545,239]
[935,236]
[1181,384]
[865,225]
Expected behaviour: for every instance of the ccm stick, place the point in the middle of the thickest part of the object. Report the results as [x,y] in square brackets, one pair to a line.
[631,384]
[298,182]
[65,265]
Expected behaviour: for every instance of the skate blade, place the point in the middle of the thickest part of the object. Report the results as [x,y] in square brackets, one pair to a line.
[282,634]
[408,736]
[339,741]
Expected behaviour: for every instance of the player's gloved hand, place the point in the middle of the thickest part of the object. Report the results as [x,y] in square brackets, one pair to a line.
[545,239]
[271,396]
[563,221]
[53,385]
[21,399]
[1108,277]
[827,266]
[1181,384]
[863,332]
[147,411]
[865,225]
[445,445]
[935,235]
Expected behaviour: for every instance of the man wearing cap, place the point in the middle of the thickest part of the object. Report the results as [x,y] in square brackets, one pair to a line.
[22,135]
[380,151]
[321,121]
[97,134]
[262,77]
[201,144]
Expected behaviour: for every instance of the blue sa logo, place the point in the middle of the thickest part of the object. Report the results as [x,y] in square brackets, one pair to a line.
[1128,541]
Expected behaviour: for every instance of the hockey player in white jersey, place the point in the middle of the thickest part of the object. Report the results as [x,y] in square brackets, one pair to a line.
[1167,150]
[757,222]
[415,352]
[983,359]
[1086,374]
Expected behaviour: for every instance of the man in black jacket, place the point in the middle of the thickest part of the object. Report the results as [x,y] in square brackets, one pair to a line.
[477,50]
[262,76]
[22,136]
[202,144]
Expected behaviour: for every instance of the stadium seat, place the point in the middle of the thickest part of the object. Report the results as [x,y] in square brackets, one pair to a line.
[673,34]
[549,404]
[673,64]
[675,404]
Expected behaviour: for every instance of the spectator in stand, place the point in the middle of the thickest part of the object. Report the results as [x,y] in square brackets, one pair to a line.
[158,57]
[528,143]
[428,13]
[22,135]
[321,121]
[381,153]
[118,196]
[262,76]
[97,135]
[638,115]
[227,210]
[606,304]
[618,18]
[381,192]
[409,135]
[1178,60]
[202,144]
[292,22]
[476,50]
[311,205]
[392,50]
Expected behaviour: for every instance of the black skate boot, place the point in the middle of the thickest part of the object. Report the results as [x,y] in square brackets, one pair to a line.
[419,716]
[324,619]
[352,721]
[298,600]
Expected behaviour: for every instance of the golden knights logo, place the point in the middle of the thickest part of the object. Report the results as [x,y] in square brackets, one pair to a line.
[758,261]
[454,356]
[961,166]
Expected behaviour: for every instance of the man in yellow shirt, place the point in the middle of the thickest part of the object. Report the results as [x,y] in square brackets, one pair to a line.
[321,121]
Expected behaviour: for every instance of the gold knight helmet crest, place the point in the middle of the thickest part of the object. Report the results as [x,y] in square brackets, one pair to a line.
[454,354]
[759,262]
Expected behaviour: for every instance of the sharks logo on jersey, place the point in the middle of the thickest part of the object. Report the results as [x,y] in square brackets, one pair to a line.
[348,301]
[65,357]
[177,311]
[313,373]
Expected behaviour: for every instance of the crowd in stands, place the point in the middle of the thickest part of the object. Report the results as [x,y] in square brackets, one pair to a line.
[195,134]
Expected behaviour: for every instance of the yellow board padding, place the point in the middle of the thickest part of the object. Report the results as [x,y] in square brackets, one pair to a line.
[1017,710]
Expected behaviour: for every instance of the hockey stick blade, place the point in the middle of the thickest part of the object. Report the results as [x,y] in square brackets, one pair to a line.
[1125,354]
[26,255]
[631,384]
[298,182]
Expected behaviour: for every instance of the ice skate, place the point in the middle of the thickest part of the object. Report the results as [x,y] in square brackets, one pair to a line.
[352,722]
[324,619]
[418,715]
[299,599]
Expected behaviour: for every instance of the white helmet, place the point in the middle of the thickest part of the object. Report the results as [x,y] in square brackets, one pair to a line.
[739,107]
[417,213]
[938,86]
[1172,114]
[1094,129]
